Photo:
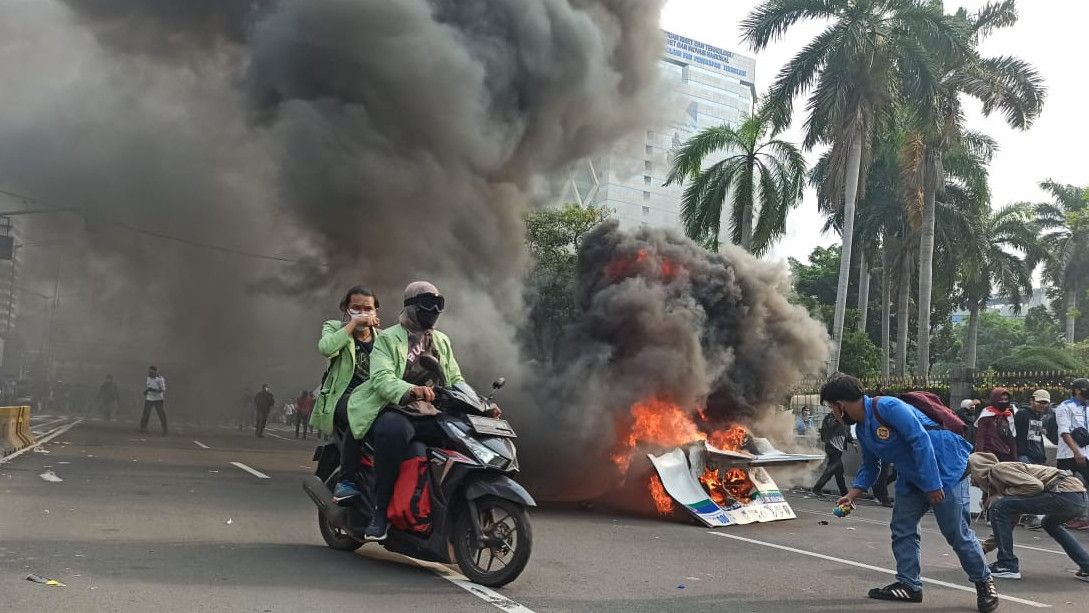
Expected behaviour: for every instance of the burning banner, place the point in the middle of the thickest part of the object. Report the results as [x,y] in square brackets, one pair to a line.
[672,346]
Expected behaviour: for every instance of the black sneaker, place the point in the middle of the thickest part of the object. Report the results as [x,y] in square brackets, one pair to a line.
[1082,575]
[378,529]
[1004,572]
[986,596]
[897,591]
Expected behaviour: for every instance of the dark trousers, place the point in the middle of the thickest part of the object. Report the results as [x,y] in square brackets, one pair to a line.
[881,486]
[107,407]
[262,420]
[392,435]
[1058,508]
[158,406]
[833,469]
[350,448]
[303,421]
[1079,470]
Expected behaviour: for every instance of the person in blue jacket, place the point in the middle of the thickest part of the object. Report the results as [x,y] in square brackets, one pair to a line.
[933,474]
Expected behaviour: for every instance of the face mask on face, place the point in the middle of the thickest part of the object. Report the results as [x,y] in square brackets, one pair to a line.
[426,319]
[1002,405]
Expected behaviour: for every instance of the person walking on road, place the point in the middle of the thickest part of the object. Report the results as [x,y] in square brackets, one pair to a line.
[154,396]
[931,464]
[1072,453]
[108,398]
[834,435]
[1017,488]
[304,404]
[263,401]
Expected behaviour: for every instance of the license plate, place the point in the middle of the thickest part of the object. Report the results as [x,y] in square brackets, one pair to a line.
[491,427]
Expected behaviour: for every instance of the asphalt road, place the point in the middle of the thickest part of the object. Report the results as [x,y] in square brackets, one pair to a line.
[146,523]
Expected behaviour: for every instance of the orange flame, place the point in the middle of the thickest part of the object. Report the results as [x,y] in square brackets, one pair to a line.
[632,265]
[662,502]
[710,481]
[737,483]
[666,424]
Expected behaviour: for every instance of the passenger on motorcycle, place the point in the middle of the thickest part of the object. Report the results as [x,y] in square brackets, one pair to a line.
[408,360]
[347,343]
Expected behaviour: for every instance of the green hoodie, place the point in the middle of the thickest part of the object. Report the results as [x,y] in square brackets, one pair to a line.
[385,385]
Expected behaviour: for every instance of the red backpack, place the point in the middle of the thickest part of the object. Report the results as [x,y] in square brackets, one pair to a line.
[931,405]
[410,507]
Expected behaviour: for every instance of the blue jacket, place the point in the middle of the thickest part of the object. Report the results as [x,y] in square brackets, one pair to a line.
[926,459]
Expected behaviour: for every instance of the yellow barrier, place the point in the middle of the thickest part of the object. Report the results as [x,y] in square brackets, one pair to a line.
[15,431]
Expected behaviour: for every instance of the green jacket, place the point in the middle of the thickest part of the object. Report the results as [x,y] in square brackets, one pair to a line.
[339,346]
[386,385]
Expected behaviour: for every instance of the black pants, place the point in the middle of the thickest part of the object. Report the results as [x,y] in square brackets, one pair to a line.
[392,435]
[301,421]
[881,486]
[833,469]
[350,448]
[158,406]
[262,420]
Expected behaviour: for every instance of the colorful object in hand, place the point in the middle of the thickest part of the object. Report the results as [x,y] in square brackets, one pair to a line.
[843,510]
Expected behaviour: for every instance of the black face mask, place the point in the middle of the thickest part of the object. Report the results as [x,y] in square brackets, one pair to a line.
[1001,405]
[426,319]
[848,420]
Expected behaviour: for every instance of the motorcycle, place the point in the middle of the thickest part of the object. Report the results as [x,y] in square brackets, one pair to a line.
[477,511]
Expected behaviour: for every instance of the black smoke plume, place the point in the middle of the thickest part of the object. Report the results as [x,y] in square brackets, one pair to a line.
[660,317]
[362,140]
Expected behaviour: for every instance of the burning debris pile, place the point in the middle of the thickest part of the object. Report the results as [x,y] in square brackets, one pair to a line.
[674,346]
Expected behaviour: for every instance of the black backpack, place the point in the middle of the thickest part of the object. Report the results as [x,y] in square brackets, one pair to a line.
[828,427]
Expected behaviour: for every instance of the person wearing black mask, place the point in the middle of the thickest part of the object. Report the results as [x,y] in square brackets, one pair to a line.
[407,362]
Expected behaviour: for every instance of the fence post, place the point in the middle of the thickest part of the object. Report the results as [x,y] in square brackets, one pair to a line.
[961,381]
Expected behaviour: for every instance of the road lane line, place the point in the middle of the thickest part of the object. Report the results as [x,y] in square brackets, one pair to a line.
[255,473]
[201,445]
[488,595]
[49,423]
[921,529]
[813,554]
[276,436]
[41,441]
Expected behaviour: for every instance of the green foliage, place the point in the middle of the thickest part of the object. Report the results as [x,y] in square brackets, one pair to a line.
[553,236]
[1042,328]
[859,356]
[815,281]
[1028,357]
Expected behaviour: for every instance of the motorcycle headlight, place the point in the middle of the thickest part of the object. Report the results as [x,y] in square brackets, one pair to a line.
[480,451]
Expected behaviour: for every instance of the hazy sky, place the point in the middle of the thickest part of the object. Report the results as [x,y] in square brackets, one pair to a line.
[1050,34]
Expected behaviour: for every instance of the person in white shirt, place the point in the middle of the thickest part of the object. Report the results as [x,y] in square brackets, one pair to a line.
[1072,419]
[154,394]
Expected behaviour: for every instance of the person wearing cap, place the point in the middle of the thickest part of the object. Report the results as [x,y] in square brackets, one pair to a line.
[1072,419]
[408,361]
[1017,488]
[1029,424]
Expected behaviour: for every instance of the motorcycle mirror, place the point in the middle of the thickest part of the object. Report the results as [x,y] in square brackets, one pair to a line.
[499,383]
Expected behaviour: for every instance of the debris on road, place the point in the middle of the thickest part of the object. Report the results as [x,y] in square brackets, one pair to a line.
[823,522]
[230,521]
[40,450]
[51,477]
[44,580]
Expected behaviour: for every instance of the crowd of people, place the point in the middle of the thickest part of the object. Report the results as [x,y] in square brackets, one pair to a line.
[938,454]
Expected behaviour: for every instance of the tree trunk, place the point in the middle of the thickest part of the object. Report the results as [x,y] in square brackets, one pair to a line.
[886,308]
[973,336]
[746,227]
[863,291]
[926,262]
[903,315]
[1071,309]
[854,169]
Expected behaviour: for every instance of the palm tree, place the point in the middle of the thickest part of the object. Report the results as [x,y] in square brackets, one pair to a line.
[990,257]
[872,53]
[763,178]
[1002,83]
[1065,240]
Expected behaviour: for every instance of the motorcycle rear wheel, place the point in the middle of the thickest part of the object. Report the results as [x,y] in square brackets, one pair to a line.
[502,561]
[334,537]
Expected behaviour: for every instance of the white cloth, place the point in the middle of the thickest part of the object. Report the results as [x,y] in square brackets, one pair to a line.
[156,387]
[1069,415]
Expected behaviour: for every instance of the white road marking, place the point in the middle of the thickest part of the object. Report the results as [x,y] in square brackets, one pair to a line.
[201,445]
[41,441]
[275,436]
[921,529]
[488,595]
[813,554]
[50,476]
[255,473]
[42,427]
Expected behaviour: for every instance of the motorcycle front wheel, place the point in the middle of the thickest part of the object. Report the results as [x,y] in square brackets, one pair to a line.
[506,546]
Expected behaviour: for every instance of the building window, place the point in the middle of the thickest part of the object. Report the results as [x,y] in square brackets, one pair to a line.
[646,196]
[650,136]
[648,165]
[646,211]
[650,150]
[646,179]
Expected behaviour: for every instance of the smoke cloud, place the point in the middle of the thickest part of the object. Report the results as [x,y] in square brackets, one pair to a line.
[361,140]
[663,318]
